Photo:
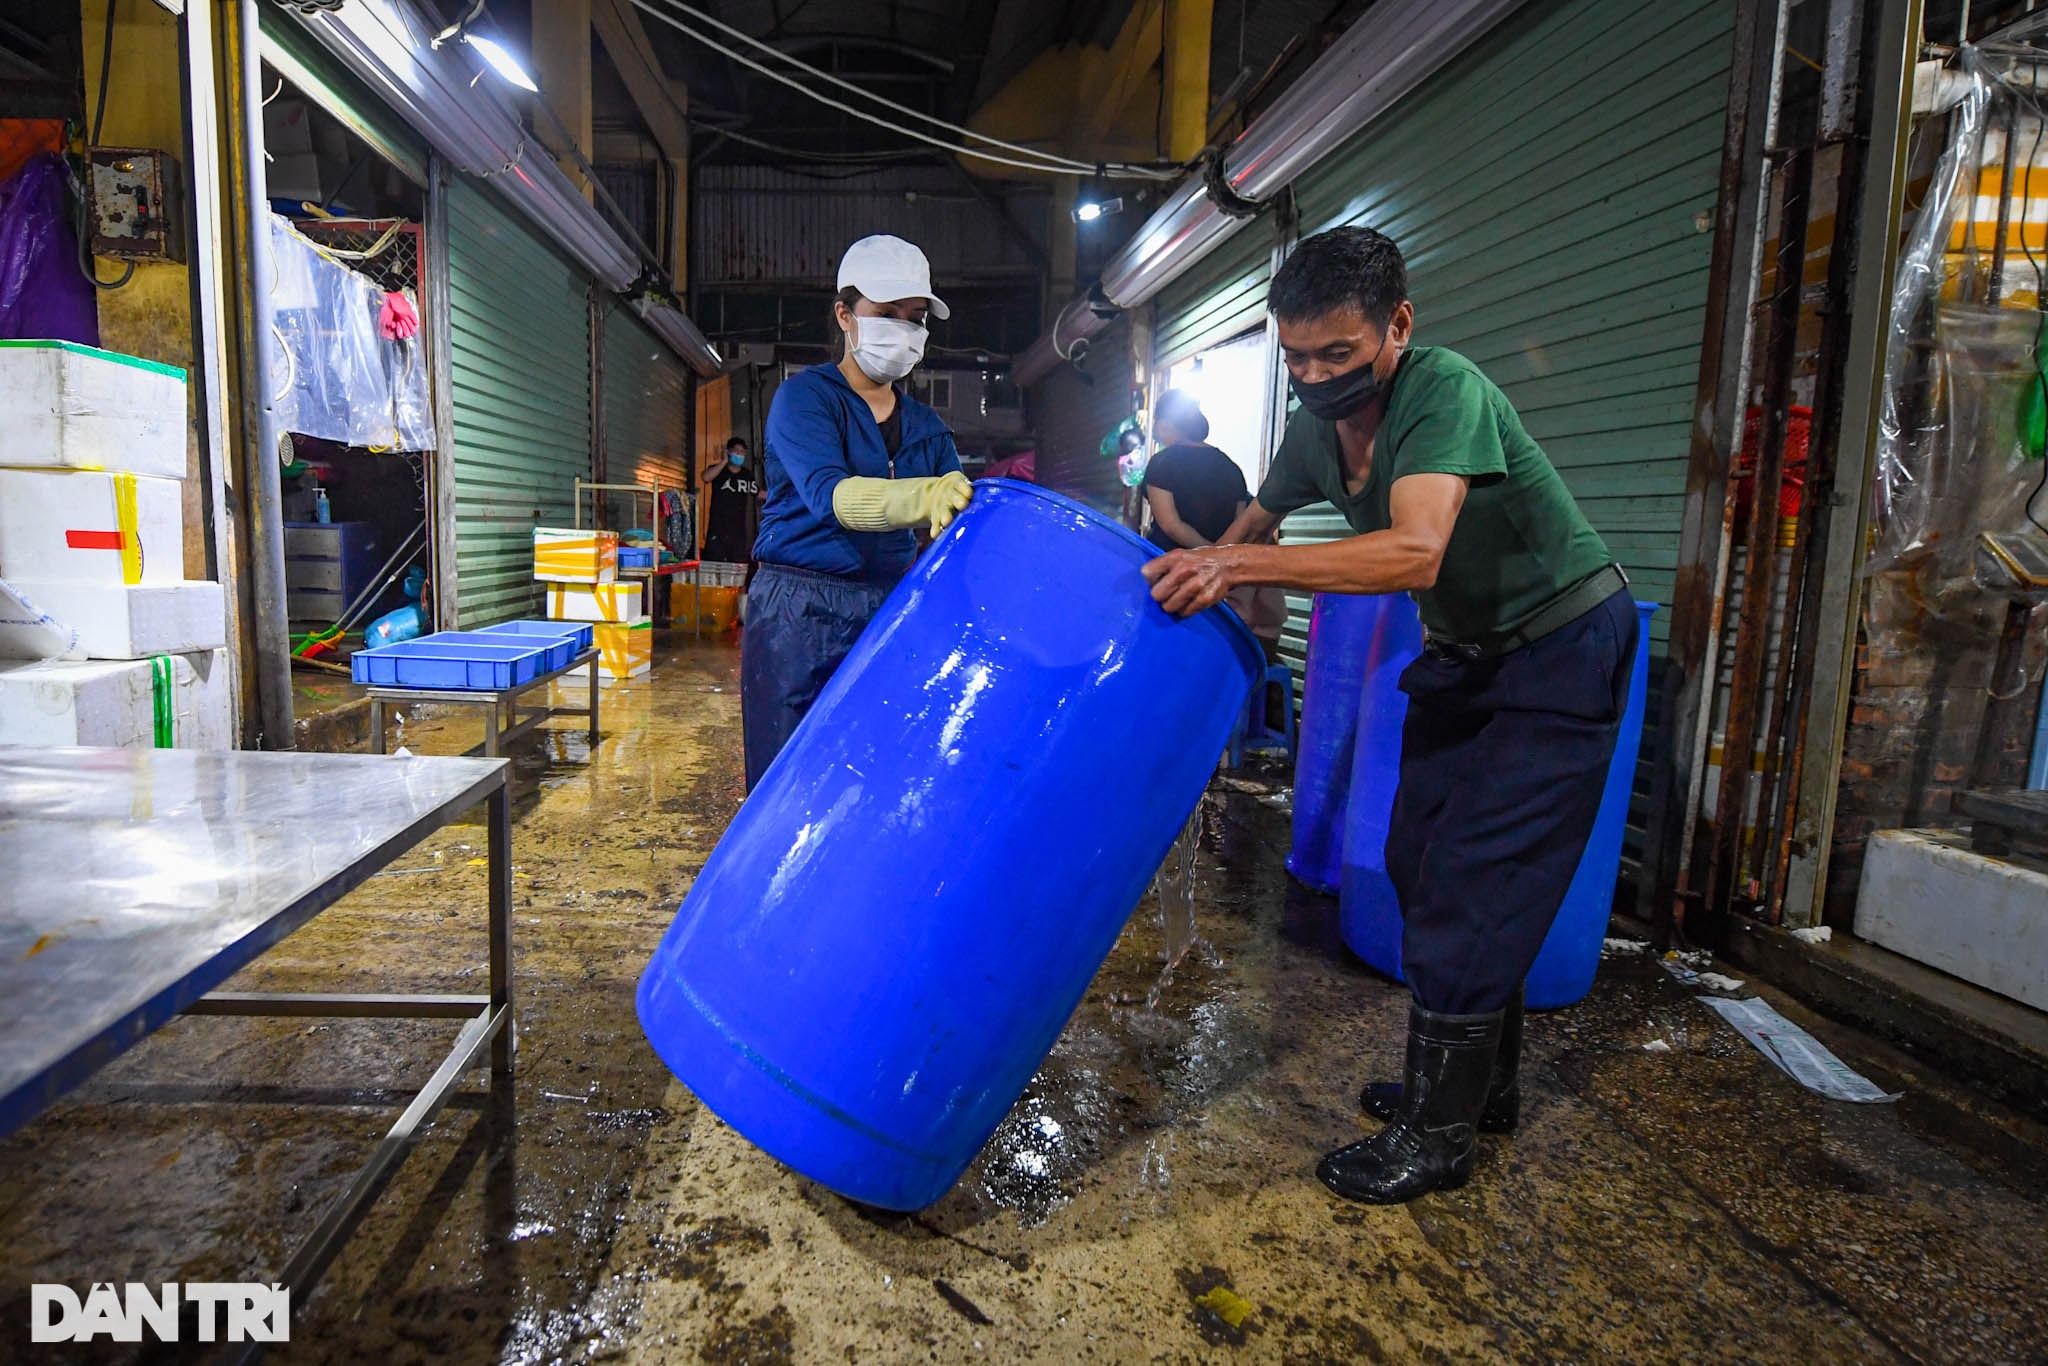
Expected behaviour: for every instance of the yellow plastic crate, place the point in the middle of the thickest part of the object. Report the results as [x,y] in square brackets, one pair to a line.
[720,606]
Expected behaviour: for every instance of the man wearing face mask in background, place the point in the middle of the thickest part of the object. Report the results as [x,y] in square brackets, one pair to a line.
[735,505]
[854,465]
[1513,705]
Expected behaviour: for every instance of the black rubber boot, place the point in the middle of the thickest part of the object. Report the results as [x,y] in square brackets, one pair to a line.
[1503,1112]
[1432,1144]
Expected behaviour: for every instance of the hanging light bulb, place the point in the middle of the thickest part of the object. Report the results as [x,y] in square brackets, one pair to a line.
[501,61]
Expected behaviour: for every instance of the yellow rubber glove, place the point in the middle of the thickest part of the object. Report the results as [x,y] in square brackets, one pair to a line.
[899,504]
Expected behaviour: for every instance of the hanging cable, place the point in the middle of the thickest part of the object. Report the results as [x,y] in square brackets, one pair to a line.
[2040,286]
[85,215]
[99,113]
[1064,163]
[869,159]
[1045,163]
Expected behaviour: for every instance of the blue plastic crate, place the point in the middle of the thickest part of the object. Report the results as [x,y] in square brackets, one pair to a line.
[434,662]
[560,646]
[582,632]
[636,557]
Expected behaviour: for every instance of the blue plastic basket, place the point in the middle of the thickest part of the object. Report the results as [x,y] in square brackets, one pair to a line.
[560,647]
[436,662]
[636,557]
[582,632]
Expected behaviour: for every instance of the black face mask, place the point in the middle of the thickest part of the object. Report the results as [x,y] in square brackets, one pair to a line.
[1340,396]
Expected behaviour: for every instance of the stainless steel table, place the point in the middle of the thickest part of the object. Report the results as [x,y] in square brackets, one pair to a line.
[502,722]
[137,881]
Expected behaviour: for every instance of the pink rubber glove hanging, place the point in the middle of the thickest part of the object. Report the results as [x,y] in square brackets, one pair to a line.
[398,319]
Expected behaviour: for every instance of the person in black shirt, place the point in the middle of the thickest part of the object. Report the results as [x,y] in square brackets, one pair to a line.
[1195,491]
[735,506]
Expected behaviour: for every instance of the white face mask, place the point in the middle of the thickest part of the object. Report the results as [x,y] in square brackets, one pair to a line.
[886,349]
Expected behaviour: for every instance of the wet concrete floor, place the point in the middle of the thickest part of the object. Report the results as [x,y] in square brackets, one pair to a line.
[1684,1205]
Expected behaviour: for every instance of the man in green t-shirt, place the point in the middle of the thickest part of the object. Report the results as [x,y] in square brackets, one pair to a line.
[1513,705]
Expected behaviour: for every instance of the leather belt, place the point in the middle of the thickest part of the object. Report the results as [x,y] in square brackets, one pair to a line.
[1568,607]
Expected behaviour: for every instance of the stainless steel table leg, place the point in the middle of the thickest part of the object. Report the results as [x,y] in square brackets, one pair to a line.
[376,725]
[498,811]
[593,705]
[491,731]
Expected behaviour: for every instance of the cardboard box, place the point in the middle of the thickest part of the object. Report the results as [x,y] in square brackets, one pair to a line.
[561,555]
[621,602]
[78,526]
[623,651]
[110,620]
[113,702]
[78,407]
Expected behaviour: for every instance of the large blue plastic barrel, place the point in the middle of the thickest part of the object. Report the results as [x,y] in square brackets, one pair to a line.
[1339,638]
[1371,918]
[894,929]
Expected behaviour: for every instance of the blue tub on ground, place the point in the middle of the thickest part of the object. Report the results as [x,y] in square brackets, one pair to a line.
[582,632]
[908,907]
[1340,637]
[434,662]
[1371,918]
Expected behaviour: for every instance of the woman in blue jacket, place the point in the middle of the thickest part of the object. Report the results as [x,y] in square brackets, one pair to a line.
[853,464]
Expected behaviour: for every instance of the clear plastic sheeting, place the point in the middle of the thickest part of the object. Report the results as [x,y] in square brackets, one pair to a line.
[336,376]
[1958,446]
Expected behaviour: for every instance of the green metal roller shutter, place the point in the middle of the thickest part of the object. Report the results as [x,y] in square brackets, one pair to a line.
[646,407]
[1221,297]
[1552,191]
[519,331]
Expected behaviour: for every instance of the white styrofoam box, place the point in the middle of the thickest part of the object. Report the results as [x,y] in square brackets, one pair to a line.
[80,526]
[115,620]
[1928,895]
[622,602]
[113,702]
[571,555]
[78,407]
[623,650]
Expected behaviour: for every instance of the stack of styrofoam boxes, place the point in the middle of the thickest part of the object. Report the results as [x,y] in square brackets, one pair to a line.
[580,570]
[102,640]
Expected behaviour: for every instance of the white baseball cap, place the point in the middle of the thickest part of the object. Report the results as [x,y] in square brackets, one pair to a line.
[887,269]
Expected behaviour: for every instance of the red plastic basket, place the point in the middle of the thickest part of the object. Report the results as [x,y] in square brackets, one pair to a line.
[1792,493]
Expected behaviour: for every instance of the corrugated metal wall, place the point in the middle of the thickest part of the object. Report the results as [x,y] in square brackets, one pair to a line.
[757,224]
[1557,230]
[1072,414]
[1221,297]
[1553,192]
[519,332]
[646,407]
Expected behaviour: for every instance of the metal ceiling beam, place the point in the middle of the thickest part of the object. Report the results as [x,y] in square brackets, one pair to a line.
[625,39]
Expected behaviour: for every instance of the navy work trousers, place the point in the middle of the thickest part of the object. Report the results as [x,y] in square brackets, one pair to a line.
[1503,762]
[800,625]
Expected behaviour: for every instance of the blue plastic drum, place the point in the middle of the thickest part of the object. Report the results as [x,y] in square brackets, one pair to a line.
[1370,917]
[1564,967]
[907,909]
[1340,633]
